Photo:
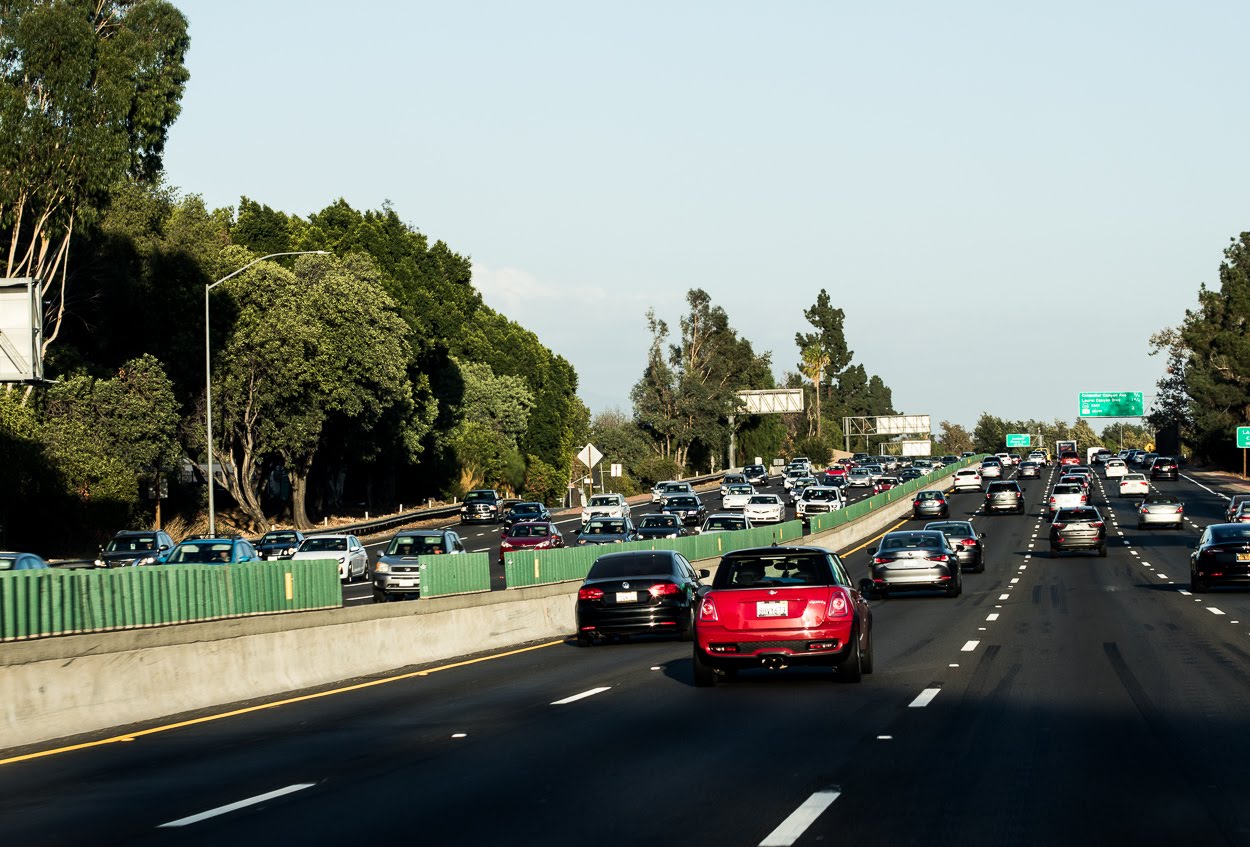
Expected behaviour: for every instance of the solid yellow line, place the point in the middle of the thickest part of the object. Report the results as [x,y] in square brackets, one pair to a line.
[288,701]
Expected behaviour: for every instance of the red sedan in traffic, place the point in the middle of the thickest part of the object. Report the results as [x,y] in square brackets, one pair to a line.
[529,535]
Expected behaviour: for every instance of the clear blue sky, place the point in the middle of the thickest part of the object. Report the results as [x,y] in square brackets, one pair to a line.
[1006,200]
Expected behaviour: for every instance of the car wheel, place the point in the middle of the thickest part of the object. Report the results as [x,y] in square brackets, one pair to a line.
[866,659]
[379,598]
[1197,585]
[956,586]
[585,639]
[980,568]
[851,669]
[1102,552]
[704,676]
[687,634]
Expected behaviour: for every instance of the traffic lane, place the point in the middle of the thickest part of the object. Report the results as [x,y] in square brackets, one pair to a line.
[1071,696]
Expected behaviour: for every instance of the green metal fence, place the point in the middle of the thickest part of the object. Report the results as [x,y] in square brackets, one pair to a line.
[55,602]
[461,574]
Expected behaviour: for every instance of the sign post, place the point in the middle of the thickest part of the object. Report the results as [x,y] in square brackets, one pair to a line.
[1111,404]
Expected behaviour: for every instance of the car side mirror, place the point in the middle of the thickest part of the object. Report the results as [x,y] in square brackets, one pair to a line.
[983,535]
[704,573]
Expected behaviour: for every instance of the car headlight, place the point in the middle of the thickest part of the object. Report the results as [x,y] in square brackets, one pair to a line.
[146,560]
[99,563]
[381,567]
[581,541]
[617,540]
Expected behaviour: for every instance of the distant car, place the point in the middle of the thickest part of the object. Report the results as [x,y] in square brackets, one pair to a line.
[756,474]
[1065,495]
[607,530]
[396,574]
[791,475]
[657,490]
[638,592]
[347,549]
[764,508]
[605,505]
[774,607]
[1004,495]
[908,474]
[660,526]
[886,483]
[1164,467]
[135,547]
[949,460]
[1029,469]
[930,504]
[279,544]
[1161,510]
[1234,503]
[991,468]
[1015,459]
[728,480]
[818,499]
[1069,457]
[1078,528]
[1100,456]
[1134,485]
[671,488]
[1040,457]
[859,477]
[1242,514]
[527,510]
[724,523]
[1146,460]
[688,507]
[530,535]
[1004,459]
[966,541]
[481,505]
[737,496]
[1114,468]
[967,479]
[1222,557]
[875,472]
[212,551]
[915,559]
[10,561]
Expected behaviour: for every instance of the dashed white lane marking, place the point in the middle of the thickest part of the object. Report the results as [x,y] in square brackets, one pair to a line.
[924,698]
[1214,610]
[800,819]
[459,735]
[1183,591]
[953,665]
[242,804]
[1004,596]
[969,646]
[993,616]
[1014,580]
[1134,552]
[591,693]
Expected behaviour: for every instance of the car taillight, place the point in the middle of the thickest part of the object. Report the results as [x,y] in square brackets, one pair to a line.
[1052,499]
[590,594]
[707,610]
[660,589]
[839,604]
[1144,510]
[1084,499]
[915,503]
[1057,525]
[1096,524]
[1180,509]
[968,542]
[940,557]
[878,560]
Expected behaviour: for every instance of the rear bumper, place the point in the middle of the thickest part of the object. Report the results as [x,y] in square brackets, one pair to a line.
[1078,542]
[935,576]
[726,650]
[632,620]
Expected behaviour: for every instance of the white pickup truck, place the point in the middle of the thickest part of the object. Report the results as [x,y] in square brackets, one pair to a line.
[605,505]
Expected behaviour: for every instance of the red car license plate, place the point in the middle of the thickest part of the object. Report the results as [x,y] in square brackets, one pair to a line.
[771,609]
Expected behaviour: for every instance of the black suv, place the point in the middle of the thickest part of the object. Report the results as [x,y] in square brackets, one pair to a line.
[134,547]
[481,505]
[1004,496]
[1164,467]
[756,474]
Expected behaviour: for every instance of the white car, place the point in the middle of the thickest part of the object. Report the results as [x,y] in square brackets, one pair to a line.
[724,523]
[991,468]
[1004,458]
[967,479]
[1134,485]
[764,508]
[606,506]
[797,488]
[818,500]
[791,475]
[351,555]
[726,481]
[1038,456]
[1115,468]
[737,496]
[1065,495]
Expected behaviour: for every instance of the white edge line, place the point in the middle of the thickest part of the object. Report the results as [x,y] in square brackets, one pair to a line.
[800,819]
[591,693]
[242,804]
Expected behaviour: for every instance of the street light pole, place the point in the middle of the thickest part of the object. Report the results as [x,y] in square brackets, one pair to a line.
[208,373]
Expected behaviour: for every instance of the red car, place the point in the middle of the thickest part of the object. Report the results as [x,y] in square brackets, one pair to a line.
[773,607]
[530,535]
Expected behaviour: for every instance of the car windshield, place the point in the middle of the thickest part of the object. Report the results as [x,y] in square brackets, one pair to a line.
[132,544]
[658,522]
[741,489]
[323,544]
[412,545]
[478,495]
[605,528]
[684,502]
[911,540]
[820,494]
[763,500]
[725,523]
[774,571]
[200,553]
[601,500]
[530,530]
[275,537]
[527,509]
[615,566]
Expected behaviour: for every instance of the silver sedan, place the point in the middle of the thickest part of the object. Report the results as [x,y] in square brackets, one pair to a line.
[1161,510]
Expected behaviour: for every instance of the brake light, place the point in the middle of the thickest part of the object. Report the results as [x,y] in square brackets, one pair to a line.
[968,542]
[1180,509]
[707,610]
[1084,499]
[1096,524]
[660,589]
[1058,525]
[1052,499]
[877,560]
[1144,510]
[590,594]
[940,557]
[839,605]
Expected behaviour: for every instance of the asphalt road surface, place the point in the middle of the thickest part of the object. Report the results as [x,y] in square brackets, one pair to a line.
[1078,700]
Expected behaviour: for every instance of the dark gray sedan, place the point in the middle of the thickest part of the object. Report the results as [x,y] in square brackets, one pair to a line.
[930,504]
[1078,528]
[915,559]
[604,530]
[966,541]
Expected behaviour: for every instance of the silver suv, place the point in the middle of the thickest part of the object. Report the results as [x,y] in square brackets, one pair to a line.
[1004,496]
[606,506]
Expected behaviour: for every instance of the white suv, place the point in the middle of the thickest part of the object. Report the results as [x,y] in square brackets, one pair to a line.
[605,505]
[819,499]
[967,479]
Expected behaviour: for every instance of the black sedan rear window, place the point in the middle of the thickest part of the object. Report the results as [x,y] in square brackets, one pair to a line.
[616,566]
[1230,533]
[779,570]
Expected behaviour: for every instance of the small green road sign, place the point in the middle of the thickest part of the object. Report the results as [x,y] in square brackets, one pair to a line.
[1111,404]
[1243,436]
[1018,439]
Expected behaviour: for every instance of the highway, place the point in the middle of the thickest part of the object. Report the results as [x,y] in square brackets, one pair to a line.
[1077,700]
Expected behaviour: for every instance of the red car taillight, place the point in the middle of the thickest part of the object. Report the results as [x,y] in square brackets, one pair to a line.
[590,594]
[1144,510]
[1058,525]
[877,560]
[1096,524]
[1052,499]
[707,610]
[1084,499]
[661,589]
[839,604]
[940,557]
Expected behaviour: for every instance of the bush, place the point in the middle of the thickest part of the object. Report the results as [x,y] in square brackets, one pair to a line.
[657,469]
[817,448]
[543,482]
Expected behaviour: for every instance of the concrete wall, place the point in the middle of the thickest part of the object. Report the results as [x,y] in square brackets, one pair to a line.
[56,687]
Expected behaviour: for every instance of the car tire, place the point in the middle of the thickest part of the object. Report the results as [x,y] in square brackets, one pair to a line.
[1102,552]
[704,675]
[687,634]
[956,587]
[1197,585]
[980,568]
[851,669]
[866,659]
[585,639]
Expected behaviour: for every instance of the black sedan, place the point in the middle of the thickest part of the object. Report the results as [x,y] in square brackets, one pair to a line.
[604,530]
[279,543]
[525,511]
[1222,557]
[687,507]
[638,592]
[965,540]
[661,526]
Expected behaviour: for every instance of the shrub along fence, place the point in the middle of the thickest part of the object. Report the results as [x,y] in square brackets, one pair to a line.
[55,602]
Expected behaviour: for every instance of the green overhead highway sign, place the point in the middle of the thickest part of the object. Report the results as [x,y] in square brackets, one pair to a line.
[1017,439]
[1243,436]
[1111,404]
